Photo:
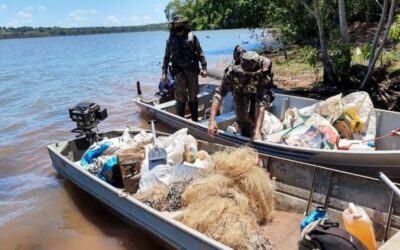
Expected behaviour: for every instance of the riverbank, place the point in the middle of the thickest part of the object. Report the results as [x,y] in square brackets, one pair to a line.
[296,76]
[31,32]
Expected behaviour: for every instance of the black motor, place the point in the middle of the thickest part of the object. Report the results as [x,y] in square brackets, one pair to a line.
[87,115]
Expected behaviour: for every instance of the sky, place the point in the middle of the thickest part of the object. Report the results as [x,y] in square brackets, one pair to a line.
[81,13]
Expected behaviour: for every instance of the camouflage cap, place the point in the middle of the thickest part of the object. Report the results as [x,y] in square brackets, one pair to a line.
[238,53]
[250,61]
[178,19]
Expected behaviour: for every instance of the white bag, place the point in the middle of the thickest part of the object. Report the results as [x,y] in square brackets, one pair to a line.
[358,110]
[162,174]
[159,175]
[330,109]
[271,125]
[317,133]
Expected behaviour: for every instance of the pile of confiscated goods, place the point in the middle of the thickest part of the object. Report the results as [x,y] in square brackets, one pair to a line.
[347,123]
[226,196]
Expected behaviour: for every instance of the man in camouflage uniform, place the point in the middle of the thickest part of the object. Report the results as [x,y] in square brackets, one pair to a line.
[249,78]
[184,51]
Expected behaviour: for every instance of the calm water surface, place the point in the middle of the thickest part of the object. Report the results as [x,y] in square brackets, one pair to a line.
[39,79]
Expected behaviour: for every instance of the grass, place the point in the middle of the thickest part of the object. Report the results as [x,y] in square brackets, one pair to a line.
[389,57]
[294,72]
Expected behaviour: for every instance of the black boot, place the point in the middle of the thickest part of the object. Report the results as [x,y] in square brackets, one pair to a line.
[180,108]
[194,110]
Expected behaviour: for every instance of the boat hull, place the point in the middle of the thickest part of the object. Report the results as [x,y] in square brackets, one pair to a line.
[176,235]
[296,183]
[365,163]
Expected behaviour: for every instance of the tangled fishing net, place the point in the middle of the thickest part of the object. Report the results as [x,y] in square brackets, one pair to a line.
[227,220]
[240,165]
[155,197]
[173,199]
[231,200]
[228,202]
[201,189]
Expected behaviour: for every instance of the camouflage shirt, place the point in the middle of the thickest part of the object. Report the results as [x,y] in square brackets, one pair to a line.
[184,53]
[242,82]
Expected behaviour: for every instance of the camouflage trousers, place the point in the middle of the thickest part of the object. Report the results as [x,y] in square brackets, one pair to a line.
[245,108]
[187,85]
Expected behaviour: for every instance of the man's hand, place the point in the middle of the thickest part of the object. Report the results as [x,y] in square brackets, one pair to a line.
[164,77]
[257,135]
[203,73]
[212,128]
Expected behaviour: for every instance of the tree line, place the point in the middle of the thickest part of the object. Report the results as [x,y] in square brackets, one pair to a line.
[25,32]
[319,23]
[291,16]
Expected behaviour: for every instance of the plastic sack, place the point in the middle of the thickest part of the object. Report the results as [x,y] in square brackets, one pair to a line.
[317,132]
[330,109]
[277,137]
[142,138]
[174,145]
[358,120]
[161,174]
[120,143]
[291,118]
[271,125]
[93,152]
[190,171]
[190,148]
[110,172]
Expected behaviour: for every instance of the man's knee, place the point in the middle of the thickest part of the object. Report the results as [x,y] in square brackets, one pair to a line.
[193,89]
[180,95]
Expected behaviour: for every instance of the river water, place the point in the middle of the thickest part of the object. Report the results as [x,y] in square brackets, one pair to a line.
[39,79]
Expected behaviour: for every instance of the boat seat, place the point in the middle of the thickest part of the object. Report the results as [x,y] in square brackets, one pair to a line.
[223,121]
[170,106]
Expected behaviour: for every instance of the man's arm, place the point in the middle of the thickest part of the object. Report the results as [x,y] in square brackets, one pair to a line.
[260,111]
[263,100]
[201,56]
[218,98]
[167,58]
[212,124]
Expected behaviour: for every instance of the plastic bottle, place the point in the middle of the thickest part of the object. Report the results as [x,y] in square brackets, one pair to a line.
[357,223]
[318,213]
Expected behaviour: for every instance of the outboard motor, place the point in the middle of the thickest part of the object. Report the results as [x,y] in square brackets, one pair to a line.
[87,116]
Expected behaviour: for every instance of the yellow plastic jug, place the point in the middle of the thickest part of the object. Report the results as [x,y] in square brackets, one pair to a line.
[357,223]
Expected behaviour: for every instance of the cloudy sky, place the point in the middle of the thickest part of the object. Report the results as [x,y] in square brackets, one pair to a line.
[81,13]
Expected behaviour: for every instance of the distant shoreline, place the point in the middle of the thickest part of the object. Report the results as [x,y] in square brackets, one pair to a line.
[30,32]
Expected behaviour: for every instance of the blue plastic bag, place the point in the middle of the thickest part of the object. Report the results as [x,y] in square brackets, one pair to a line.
[94,152]
[108,172]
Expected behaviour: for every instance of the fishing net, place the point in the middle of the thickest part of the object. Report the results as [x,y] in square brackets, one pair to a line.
[227,220]
[203,155]
[233,163]
[240,166]
[259,189]
[228,202]
[155,197]
[173,199]
[200,189]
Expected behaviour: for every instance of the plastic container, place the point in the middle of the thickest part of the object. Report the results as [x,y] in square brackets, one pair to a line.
[357,223]
[318,213]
